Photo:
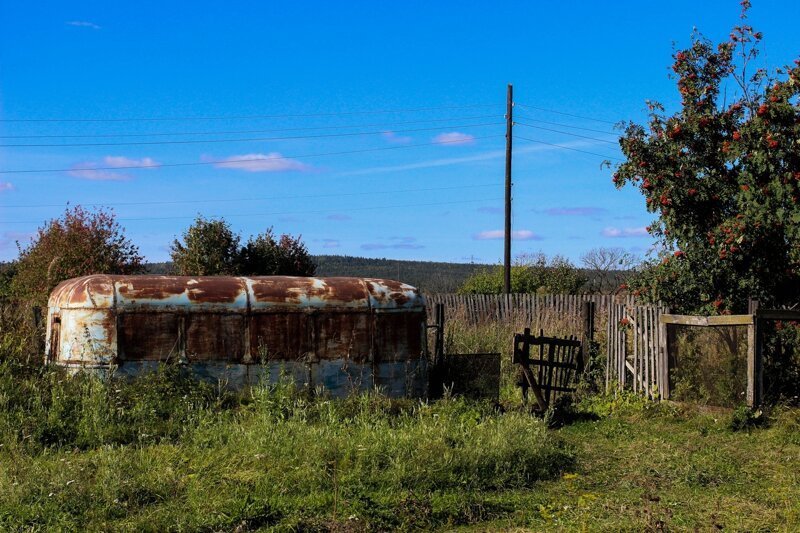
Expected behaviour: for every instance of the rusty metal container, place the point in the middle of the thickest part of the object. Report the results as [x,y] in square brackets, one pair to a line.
[343,334]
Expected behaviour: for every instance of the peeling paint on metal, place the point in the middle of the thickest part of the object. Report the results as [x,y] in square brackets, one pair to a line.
[338,333]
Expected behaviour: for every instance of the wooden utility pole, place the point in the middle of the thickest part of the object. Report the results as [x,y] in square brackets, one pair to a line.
[507,251]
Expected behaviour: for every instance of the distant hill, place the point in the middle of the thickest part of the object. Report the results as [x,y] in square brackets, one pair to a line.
[429,276]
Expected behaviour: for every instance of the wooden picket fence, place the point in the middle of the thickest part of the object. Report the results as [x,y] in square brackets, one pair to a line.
[635,343]
[551,312]
[636,351]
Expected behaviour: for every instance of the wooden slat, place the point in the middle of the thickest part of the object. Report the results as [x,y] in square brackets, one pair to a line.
[536,341]
[645,311]
[541,358]
[623,352]
[723,320]
[609,348]
[644,336]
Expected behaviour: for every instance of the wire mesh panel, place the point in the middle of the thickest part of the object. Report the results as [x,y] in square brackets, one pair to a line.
[708,365]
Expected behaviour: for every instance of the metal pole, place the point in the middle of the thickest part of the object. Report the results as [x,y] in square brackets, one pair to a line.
[507,251]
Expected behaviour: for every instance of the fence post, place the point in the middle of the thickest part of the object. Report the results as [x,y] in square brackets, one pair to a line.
[751,364]
[587,318]
[438,373]
[439,346]
[663,348]
[755,385]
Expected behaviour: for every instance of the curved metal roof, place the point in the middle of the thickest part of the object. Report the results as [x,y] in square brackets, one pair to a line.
[101,291]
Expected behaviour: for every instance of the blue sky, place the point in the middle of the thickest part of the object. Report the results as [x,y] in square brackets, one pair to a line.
[424,82]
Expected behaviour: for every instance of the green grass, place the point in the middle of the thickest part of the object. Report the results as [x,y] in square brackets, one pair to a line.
[167,453]
[164,453]
[651,467]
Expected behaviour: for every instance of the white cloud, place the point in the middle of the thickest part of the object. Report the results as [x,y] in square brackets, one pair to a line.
[103,170]
[454,138]
[270,162]
[83,24]
[613,232]
[520,235]
[394,138]
[119,161]
[98,175]
[330,243]
[6,186]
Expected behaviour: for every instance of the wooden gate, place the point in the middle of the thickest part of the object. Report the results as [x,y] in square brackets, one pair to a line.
[558,362]
[637,355]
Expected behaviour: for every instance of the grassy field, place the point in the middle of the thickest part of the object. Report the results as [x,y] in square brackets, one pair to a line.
[641,467]
[168,454]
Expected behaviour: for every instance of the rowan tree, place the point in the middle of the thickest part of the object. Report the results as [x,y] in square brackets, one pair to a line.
[722,174]
[79,243]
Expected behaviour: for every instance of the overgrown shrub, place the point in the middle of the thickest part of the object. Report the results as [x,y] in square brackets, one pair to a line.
[21,332]
[210,247]
[81,242]
[531,274]
[43,408]
[746,418]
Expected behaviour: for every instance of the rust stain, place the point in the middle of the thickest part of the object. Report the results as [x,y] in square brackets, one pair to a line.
[345,289]
[219,290]
[389,292]
[281,289]
[280,336]
[149,337]
[84,291]
[278,290]
[343,335]
[151,287]
[300,319]
[211,337]
[398,336]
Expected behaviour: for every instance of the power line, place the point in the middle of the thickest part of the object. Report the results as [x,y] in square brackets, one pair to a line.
[570,148]
[562,132]
[561,124]
[378,207]
[248,117]
[248,139]
[236,132]
[526,106]
[248,160]
[224,200]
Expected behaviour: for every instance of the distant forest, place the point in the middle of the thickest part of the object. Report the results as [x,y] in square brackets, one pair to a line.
[429,276]
[426,275]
